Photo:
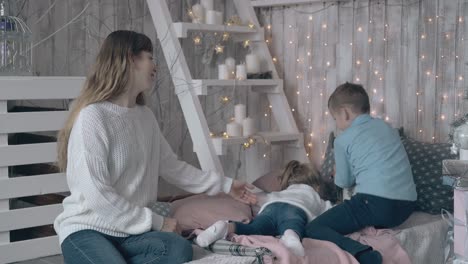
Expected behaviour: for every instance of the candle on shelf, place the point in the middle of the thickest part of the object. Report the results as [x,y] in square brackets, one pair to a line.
[211,17]
[241,73]
[234,129]
[198,13]
[252,63]
[219,18]
[248,126]
[207,4]
[239,113]
[231,65]
[223,72]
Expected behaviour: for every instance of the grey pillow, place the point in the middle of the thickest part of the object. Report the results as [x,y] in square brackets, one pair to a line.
[328,189]
[426,164]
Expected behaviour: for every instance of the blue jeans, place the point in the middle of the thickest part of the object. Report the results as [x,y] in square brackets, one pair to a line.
[89,246]
[274,220]
[352,215]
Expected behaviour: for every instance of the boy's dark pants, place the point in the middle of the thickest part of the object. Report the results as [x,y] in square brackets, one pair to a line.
[352,215]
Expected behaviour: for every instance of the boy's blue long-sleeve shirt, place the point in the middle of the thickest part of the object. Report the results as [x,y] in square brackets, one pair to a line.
[370,155]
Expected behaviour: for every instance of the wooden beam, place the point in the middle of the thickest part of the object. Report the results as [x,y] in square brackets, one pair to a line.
[32,121]
[29,217]
[268,3]
[12,155]
[37,88]
[32,185]
[4,203]
[29,249]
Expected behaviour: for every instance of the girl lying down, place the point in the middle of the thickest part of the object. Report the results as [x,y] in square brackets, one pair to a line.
[284,213]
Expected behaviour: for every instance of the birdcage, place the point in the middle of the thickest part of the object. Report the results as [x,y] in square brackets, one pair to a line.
[15,44]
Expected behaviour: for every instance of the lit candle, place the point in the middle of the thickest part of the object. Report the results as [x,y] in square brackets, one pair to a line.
[248,127]
[241,73]
[239,113]
[231,65]
[211,17]
[223,72]
[207,4]
[252,63]
[198,13]
[234,129]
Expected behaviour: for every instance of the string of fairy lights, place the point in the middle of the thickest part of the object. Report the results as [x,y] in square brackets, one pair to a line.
[371,68]
[368,67]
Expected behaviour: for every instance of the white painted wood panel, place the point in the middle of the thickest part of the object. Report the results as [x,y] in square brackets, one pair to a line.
[30,249]
[29,217]
[32,121]
[4,203]
[13,155]
[35,88]
[269,3]
[393,61]
[33,185]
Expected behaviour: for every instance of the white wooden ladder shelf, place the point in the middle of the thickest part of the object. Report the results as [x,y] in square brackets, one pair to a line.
[188,89]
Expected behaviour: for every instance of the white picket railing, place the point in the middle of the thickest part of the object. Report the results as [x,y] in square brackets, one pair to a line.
[30,88]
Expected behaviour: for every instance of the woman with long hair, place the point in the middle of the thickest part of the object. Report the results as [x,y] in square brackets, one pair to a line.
[113,153]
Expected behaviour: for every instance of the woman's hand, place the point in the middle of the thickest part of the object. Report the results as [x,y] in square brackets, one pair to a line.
[170,225]
[241,192]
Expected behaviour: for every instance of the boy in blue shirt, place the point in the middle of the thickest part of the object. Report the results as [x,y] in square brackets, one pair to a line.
[370,156]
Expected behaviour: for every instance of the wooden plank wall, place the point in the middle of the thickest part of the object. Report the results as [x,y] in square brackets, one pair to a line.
[403,52]
[67,35]
[411,57]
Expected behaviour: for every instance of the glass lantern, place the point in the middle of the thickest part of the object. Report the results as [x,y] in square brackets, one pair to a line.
[460,140]
[15,45]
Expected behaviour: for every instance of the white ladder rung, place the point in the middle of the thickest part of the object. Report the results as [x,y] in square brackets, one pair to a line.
[221,143]
[181,29]
[258,85]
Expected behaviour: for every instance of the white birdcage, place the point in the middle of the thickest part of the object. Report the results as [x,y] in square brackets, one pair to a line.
[15,45]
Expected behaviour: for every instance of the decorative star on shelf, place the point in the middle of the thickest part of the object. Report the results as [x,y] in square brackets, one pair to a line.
[219,49]
[225,36]
[197,40]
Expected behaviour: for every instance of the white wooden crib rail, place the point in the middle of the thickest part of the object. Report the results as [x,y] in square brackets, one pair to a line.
[30,88]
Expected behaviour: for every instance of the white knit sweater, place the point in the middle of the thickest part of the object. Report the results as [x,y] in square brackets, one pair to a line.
[300,195]
[115,157]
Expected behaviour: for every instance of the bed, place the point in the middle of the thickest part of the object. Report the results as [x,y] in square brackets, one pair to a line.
[422,236]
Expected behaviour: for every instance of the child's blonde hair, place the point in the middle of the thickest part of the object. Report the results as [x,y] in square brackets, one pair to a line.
[300,173]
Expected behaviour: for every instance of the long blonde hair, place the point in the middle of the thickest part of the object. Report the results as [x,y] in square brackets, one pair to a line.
[300,173]
[107,80]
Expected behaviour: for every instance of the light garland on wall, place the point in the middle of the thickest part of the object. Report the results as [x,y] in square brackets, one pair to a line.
[377,74]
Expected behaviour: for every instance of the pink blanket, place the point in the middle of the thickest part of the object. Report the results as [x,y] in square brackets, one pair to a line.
[325,252]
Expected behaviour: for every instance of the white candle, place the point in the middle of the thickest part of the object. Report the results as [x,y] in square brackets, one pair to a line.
[239,113]
[231,65]
[223,72]
[234,129]
[211,17]
[252,63]
[241,74]
[219,18]
[198,13]
[248,127]
[207,4]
